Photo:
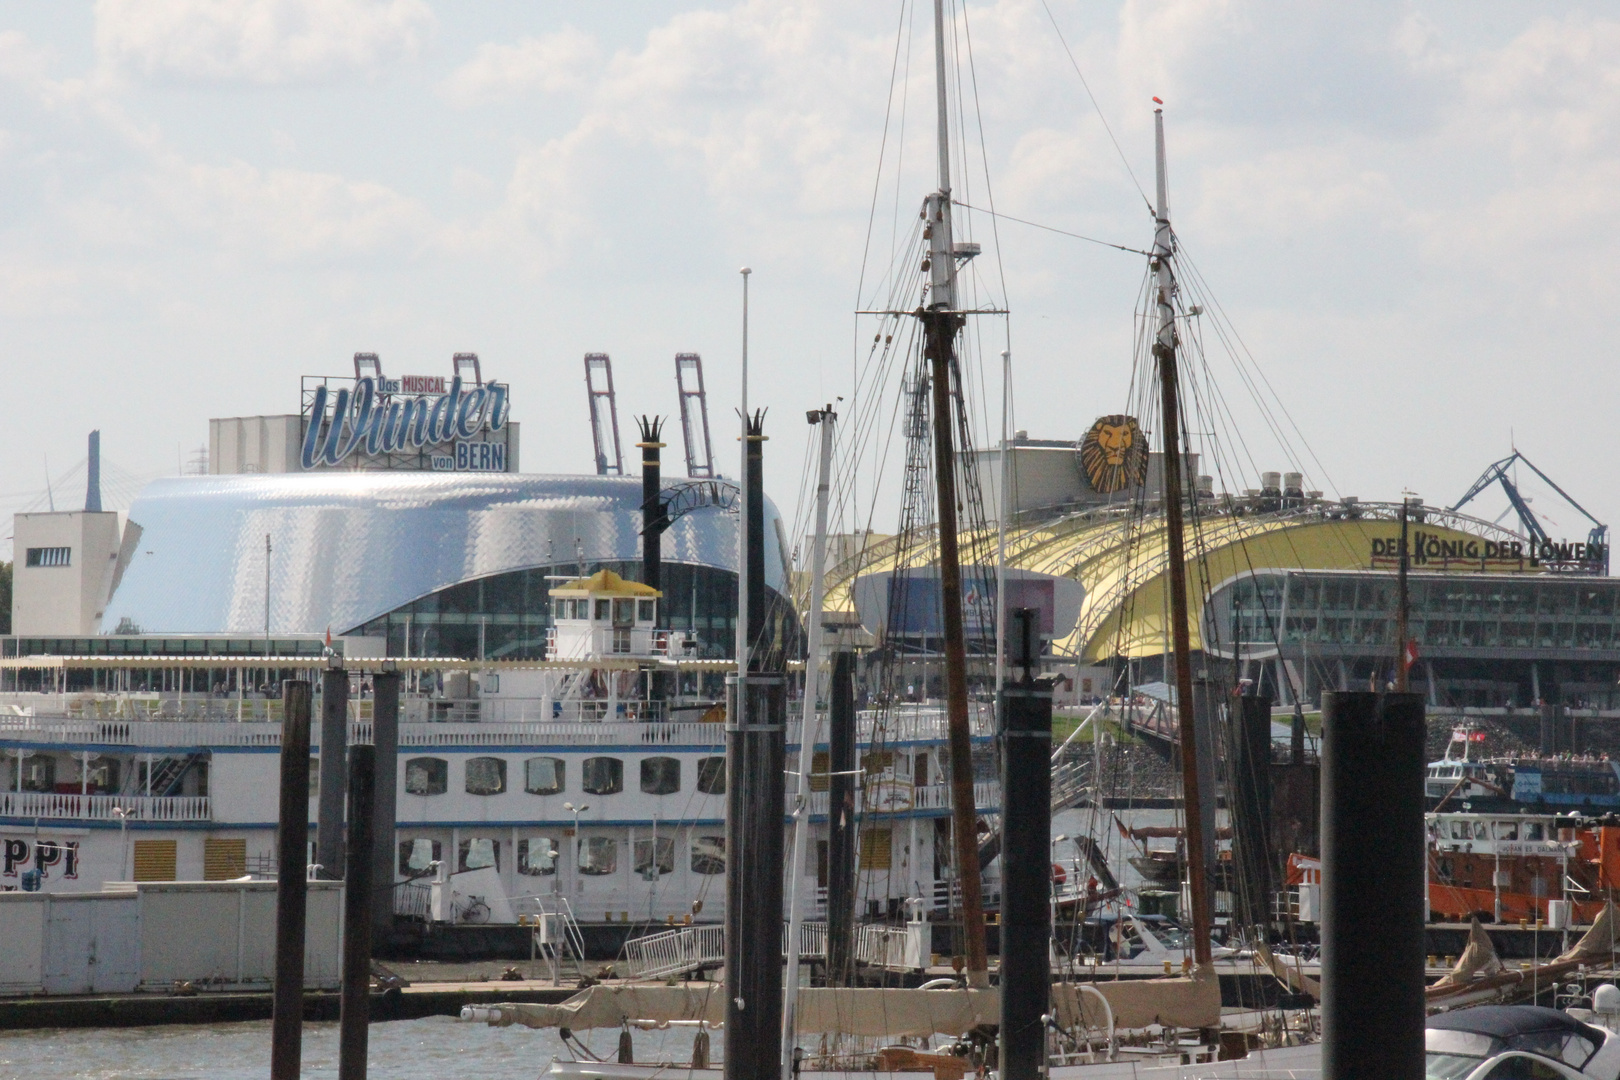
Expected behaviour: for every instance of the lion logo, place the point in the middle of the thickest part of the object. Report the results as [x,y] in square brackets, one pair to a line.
[1113,454]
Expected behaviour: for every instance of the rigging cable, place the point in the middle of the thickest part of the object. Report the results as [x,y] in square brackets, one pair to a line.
[1076,65]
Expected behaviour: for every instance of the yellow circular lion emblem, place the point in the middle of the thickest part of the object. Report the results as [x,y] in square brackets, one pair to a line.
[1113,454]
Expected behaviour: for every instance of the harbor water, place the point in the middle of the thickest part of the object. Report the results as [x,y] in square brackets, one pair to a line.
[427,1049]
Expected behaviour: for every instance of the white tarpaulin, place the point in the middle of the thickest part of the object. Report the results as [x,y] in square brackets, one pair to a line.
[875,1012]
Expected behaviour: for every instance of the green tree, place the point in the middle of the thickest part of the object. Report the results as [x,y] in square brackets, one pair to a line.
[5,598]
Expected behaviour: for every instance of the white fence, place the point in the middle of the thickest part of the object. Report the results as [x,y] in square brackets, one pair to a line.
[44,804]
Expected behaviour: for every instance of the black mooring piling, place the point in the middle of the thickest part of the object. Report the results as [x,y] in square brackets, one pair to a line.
[1026,865]
[756,715]
[334,744]
[355,1005]
[292,886]
[841,821]
[1373,882]
[385,738]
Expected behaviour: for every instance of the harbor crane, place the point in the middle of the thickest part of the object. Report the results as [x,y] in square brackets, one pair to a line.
[1500,473]
[604,414]
[694,415]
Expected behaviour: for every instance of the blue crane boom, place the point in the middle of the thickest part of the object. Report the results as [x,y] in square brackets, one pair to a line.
[1498,473]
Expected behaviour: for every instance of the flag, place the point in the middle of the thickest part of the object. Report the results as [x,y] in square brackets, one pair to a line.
[329,636]
[1411,653]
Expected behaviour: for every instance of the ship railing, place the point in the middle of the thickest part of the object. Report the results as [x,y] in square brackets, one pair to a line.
[55,806]
[616,641]
[46,729]
[691,948]
[413,900]
[812,940]
[674,952]
[258,734]
[947,895]
[894,948]
[879,796]
[564,734]
[158,733]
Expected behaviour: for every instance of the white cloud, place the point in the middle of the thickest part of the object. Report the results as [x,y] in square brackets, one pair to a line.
[258,41]
[284,214]
[549,64]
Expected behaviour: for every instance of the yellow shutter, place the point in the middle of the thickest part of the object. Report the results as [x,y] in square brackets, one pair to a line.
[154,860]
[818,771]
[224,858]
[876,849]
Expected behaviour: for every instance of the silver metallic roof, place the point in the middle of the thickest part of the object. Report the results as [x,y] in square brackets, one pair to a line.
[350,546]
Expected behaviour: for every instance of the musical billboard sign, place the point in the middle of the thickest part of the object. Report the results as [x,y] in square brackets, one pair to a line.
[1455,551]
[416,421]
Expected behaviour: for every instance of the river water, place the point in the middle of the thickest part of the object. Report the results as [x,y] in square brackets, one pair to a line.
[436,1048]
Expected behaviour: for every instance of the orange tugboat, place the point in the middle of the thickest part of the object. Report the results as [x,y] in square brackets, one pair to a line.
[1519,867]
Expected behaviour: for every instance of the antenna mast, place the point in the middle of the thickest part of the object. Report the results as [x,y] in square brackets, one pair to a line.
[1164,351]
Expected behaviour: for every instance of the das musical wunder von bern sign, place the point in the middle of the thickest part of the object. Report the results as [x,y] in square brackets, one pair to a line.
[378,417]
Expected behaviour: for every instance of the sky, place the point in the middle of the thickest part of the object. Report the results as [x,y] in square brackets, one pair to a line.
[1406,210]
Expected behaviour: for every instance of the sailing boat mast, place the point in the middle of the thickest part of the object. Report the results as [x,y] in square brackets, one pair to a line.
[1164,351]
[941,320]
[1402,611]
[825,418]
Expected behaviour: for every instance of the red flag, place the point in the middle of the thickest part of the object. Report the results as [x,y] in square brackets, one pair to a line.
[1411,653]
[329,636]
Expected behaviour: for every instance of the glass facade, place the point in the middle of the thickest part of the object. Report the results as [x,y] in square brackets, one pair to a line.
[167,645]
[1474,612]
[506,616]
[1355,611]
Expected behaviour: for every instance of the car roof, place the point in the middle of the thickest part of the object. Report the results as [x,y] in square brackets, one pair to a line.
[1506,1021]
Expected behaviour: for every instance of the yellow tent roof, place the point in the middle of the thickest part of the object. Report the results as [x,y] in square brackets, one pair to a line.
[603,581]
[1120,559]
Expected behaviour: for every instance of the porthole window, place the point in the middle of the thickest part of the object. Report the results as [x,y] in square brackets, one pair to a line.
[544,775]
[486,776]
[598,855]
[601,776]
[711,778]
[427,776]
[660,775]
[709,855]
[537,856]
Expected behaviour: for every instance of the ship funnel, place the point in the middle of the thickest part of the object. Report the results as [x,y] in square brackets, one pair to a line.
[92,490]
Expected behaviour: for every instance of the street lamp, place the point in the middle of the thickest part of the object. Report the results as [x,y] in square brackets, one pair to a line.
[576,811]
[123,813]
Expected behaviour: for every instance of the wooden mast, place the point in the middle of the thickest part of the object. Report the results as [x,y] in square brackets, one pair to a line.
[1164,351]
[941,321]
[1402,611]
